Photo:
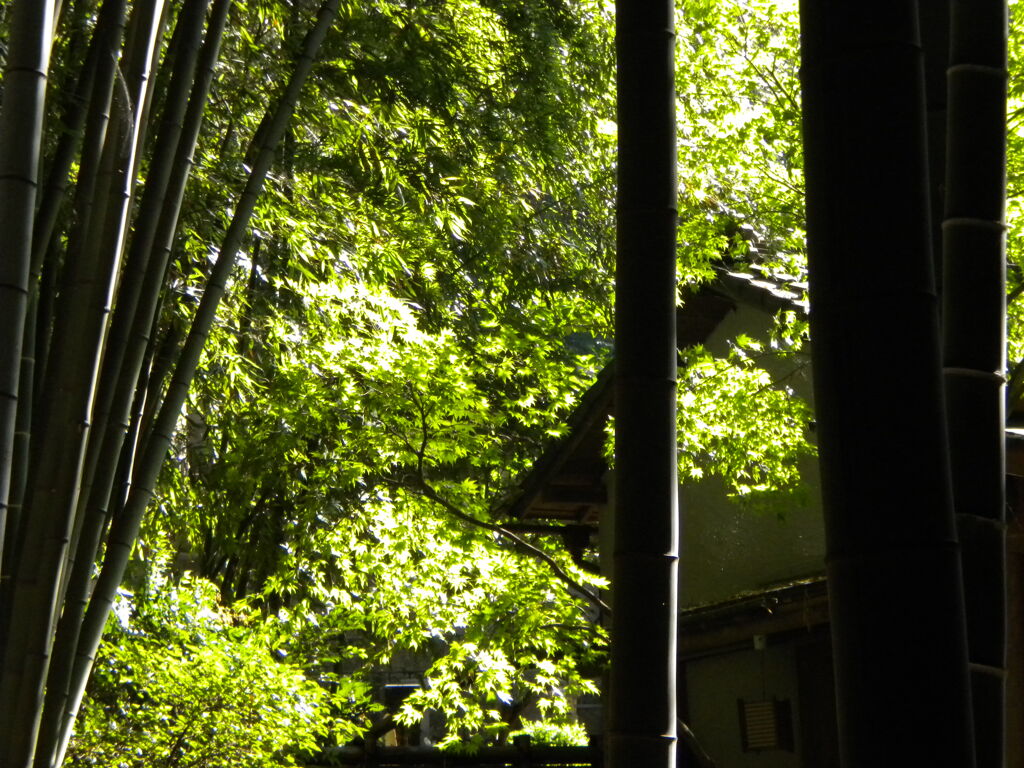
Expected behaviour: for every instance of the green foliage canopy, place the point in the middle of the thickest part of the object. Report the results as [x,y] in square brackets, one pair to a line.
[182,681]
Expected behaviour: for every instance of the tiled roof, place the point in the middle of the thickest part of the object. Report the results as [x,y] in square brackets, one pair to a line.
[768,289]
[566,483]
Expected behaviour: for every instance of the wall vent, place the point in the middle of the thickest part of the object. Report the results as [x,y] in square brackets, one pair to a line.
[766,724]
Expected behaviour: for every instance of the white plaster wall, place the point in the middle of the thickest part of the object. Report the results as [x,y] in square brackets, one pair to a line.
[714,685]
[726,549]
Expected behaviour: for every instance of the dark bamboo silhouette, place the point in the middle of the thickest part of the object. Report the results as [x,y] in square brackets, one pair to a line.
[21,120]
[642,711]
[51,196]
[974,344]
[37,570]
[895,587]
[934,16]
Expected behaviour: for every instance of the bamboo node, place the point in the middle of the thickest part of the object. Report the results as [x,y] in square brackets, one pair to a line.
[974,373]
[966,221]
[978,69]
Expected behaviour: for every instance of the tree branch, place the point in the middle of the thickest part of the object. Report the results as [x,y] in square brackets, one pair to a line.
[426,490]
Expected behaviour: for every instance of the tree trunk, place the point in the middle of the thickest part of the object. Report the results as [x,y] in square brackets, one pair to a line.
[974,344]
[895,587]
[642,713]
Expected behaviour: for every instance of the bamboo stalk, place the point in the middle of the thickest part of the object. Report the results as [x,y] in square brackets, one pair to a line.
[934,20]
[56,460]
[56,184]
[137,326]
[52,194]
[91,513]
[21,119]
[974,343]
[135,313]
[45,247]
[125,527]
[895,587]
[642,713]
[132,320]
[89,279]
[112,399]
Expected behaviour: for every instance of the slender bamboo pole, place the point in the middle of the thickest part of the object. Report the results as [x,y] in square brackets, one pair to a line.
[934,17]
[135,314]
[113,393]
[91,513]
[21,121]
[37,323]
[125,527]
[187,38]
[895,587]
[83,309]
[80,325]
[974,344]
[642,713]
[46,249]
[57,177]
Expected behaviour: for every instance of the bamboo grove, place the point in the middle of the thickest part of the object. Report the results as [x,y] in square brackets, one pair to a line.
[121,256]
[293,291]
[64,479]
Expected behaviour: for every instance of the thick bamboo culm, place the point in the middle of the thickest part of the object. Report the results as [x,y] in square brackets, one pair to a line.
[974,343]
[641,727]
[24,85]
[893,562]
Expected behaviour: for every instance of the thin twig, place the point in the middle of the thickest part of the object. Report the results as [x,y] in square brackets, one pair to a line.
[1015,294]
[688,738]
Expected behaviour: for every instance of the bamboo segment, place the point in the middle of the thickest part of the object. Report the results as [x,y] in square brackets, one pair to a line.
[87,284]
[974,343]
[45,247]
[21,118]
[38,318]
[20,130]
[642,716]
[24,86]
[187,41]
[895,584]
